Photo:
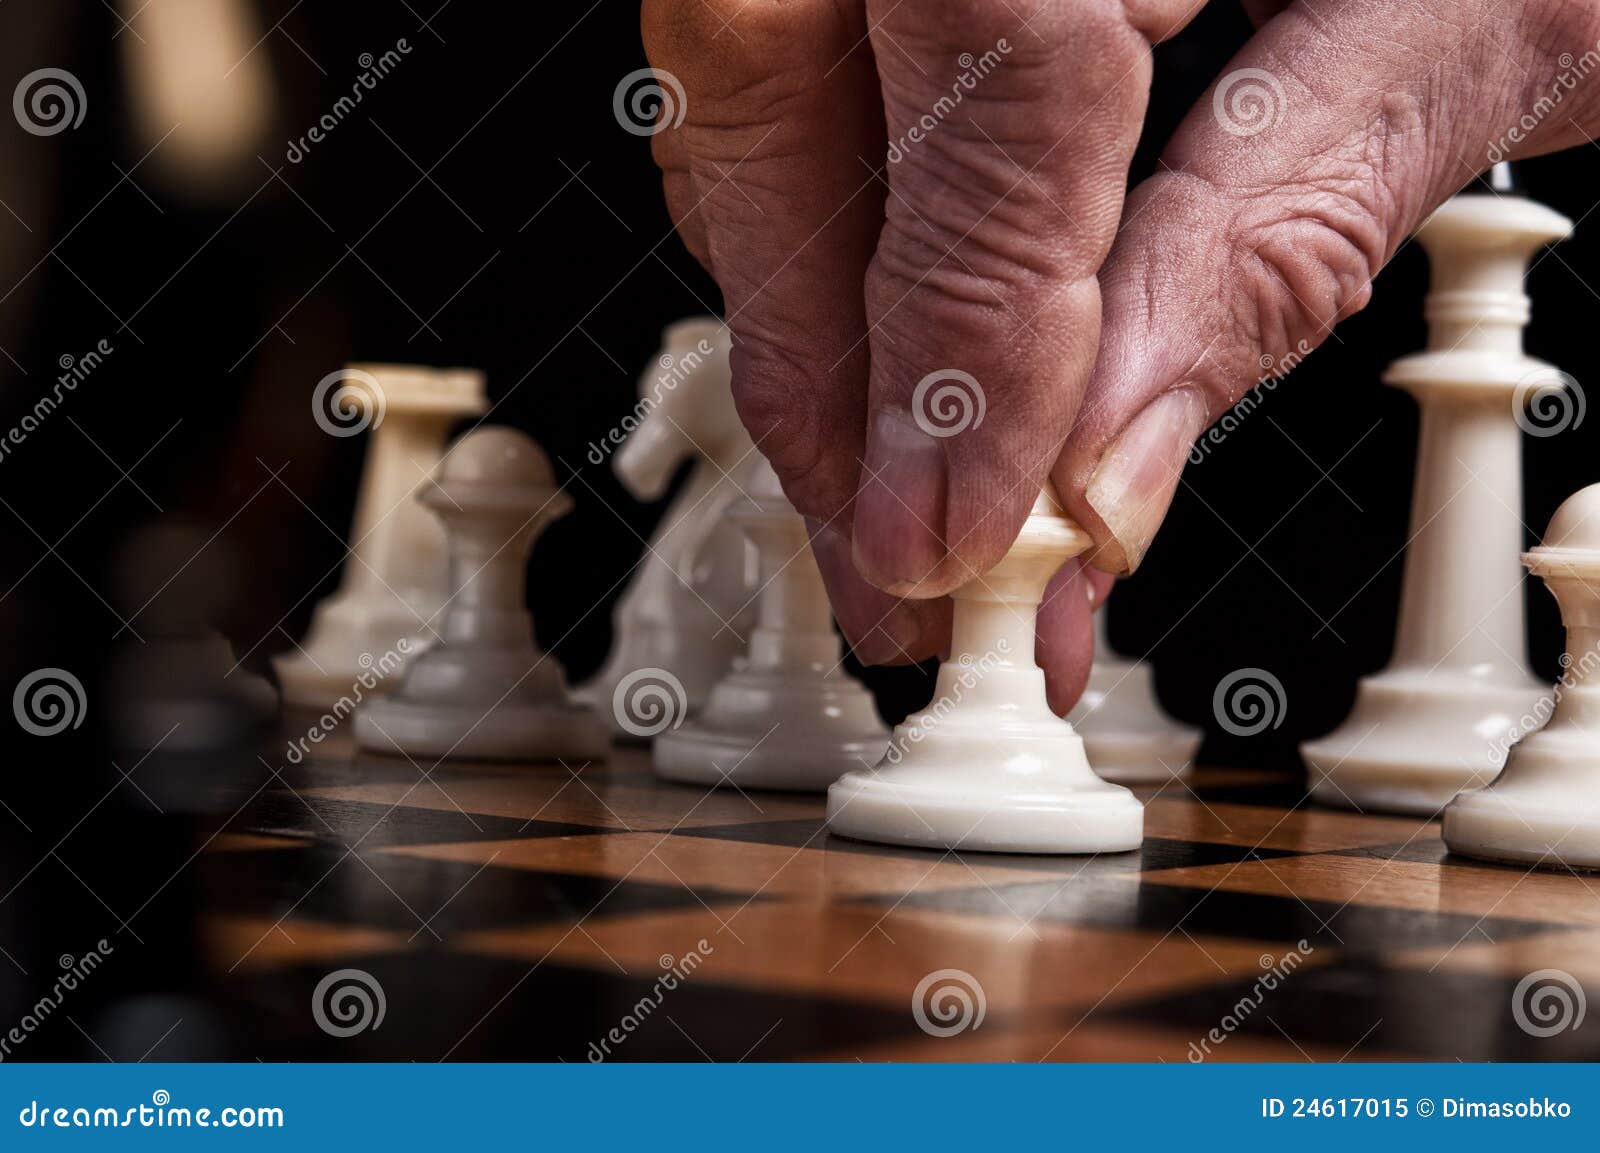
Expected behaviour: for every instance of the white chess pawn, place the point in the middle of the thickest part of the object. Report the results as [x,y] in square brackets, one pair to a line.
[988,765]
[396,577]
[486,691]
[699,569]
[1458,679]
[1125,732]
[1545,807]
[787,716]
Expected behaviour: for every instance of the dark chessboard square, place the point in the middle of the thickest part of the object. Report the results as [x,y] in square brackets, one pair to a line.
[373,824]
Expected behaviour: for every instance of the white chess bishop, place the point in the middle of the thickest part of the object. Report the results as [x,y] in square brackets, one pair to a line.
[988,765]
[1458,680]
[485,691]
[699,569]
[1544,808]
[395,578]
[1128,737]
[787,716]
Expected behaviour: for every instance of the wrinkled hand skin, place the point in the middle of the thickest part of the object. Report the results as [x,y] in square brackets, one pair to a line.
[1105,332]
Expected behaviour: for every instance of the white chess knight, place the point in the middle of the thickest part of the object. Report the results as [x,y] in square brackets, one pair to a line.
[485,691]
[787,716]
[1544,808]
[1458,680]
[395,578]
[1125,732]
[699,570]
[989,766]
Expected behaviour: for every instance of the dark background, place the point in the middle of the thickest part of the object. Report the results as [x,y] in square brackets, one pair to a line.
[486,188]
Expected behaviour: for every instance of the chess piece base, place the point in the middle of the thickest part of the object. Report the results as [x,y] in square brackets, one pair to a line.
[511,731]
[951,792]
[1126,735]
[327,670]
[1541,811]
[1415,740]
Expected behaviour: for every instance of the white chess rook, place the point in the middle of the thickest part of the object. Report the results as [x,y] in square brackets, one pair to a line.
[699,570]
[396,576]
[1544,809]
[788,716]
[989,766]
[1458,679]
[486,691]
[1128,737]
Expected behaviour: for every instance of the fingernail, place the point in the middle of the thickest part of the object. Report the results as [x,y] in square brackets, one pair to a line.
[1138,474]
[899,516]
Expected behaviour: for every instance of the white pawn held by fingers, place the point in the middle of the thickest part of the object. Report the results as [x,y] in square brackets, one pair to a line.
[1544,809]
[485,691]
[396,577]
[787,716]
[1457,682]
[988,765]
[1125,732]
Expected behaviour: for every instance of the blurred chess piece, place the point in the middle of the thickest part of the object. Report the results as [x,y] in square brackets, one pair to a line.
[694,594]
[486,691]
[1458,680]
[787,716]
[1127,735]
[174,680]
[988,765]
[201,91]
[1544,809]
[395,578]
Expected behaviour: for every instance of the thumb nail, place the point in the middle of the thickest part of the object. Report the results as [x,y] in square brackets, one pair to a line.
[899,514]
[1135,480]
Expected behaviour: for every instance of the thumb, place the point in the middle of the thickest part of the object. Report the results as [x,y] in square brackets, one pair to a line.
[1282,194]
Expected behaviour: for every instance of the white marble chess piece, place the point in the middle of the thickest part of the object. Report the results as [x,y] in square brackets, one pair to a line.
[693,596]
[1457,680]
[787,716]
[395,578]
[1544,808]
[1128,737]
[988,765]
[486,691]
